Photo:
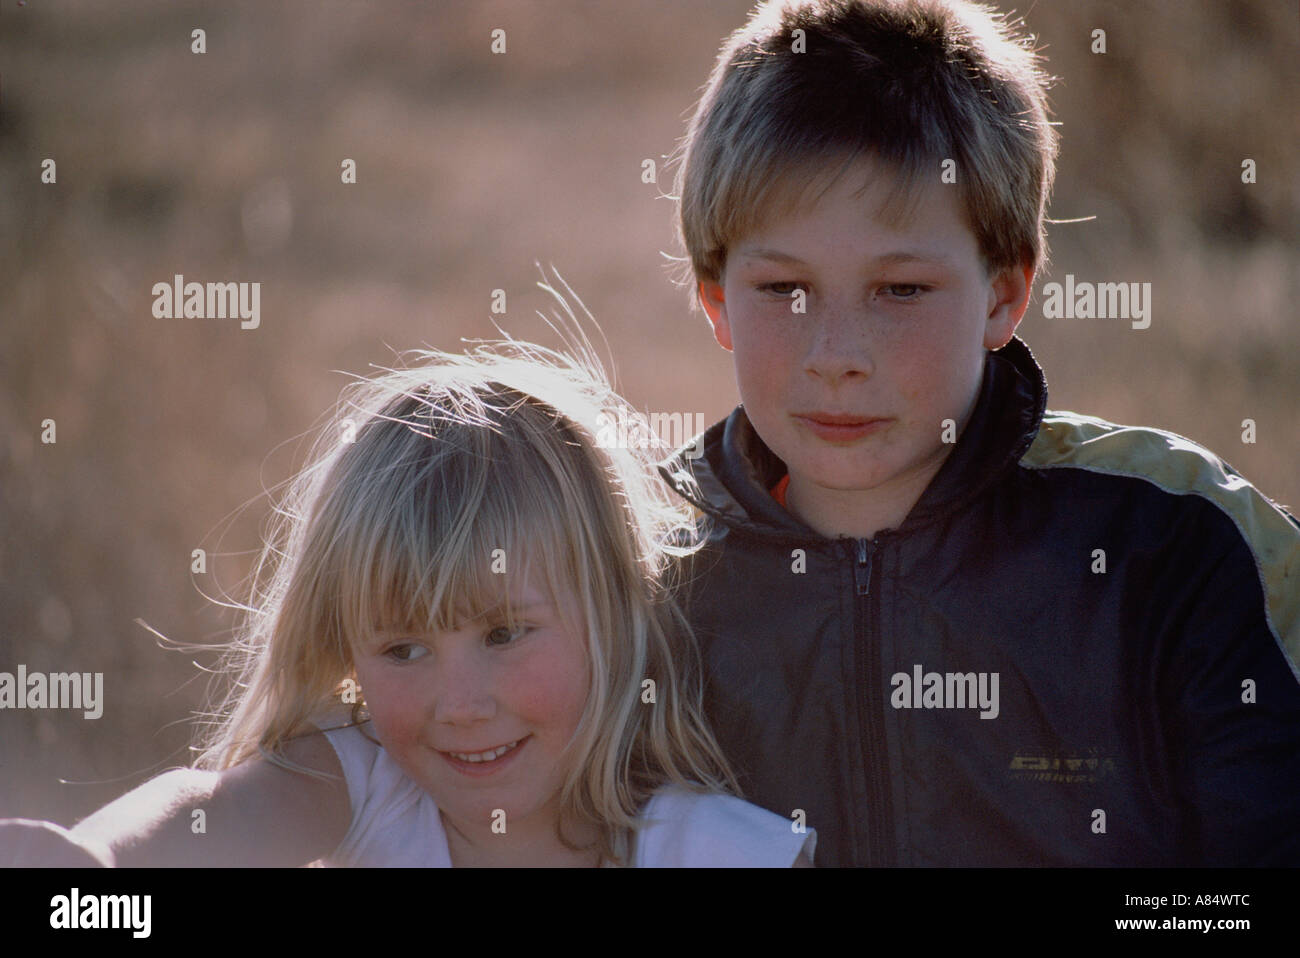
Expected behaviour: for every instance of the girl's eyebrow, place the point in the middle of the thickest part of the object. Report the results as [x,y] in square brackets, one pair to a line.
[498,610]
[376,639]
[535,605]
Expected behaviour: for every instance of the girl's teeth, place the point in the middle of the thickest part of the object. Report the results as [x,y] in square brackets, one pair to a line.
[485,756]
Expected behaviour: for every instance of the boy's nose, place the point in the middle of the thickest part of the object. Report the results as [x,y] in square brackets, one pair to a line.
[840,343]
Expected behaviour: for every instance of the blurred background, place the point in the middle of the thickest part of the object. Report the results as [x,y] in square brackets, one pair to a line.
[471,166]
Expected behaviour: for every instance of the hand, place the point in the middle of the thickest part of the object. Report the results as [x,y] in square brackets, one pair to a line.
[25,843]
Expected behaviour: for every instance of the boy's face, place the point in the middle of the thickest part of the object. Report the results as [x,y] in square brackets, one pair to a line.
[853,392]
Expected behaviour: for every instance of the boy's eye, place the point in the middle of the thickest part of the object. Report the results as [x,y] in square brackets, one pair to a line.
[905,290]
[780,289]
[406,652]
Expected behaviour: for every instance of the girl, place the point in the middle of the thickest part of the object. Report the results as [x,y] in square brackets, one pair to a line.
[471,562]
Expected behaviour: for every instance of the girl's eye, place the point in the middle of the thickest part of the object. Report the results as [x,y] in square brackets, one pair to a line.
[780,289]
[406,652]
[502,635]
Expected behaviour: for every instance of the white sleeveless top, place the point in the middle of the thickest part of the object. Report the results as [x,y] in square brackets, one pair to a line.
[395,823]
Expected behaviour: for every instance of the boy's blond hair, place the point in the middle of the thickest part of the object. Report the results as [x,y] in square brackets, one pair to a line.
[425,473]
[807,87]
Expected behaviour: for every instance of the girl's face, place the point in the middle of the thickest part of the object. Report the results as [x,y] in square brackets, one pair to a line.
[480,717]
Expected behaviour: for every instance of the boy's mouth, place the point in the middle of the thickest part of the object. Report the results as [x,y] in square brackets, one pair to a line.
[839,427]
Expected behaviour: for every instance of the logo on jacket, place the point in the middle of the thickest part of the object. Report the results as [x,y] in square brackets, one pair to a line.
[1045,765]
[946,690]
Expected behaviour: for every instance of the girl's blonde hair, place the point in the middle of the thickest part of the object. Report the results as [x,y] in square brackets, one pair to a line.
[424,473]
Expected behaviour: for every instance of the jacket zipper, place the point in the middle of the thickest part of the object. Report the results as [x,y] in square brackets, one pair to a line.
[862,571]
[873,750]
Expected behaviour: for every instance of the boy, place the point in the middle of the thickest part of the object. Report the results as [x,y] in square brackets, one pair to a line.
[940,625]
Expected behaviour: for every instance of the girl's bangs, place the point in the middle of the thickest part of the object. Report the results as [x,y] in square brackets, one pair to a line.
[451,544]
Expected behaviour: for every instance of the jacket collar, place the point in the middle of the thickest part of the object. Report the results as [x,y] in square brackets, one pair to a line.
[732,471]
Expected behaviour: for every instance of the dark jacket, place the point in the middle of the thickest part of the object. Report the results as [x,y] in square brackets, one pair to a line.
[1135,597]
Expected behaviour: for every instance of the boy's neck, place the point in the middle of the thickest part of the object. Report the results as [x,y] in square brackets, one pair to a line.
[859,514]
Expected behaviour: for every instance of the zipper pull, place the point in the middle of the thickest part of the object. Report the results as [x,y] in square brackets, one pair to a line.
[862,570]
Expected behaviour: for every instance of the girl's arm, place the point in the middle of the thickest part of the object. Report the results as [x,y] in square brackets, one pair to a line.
[255,814]
[28,843]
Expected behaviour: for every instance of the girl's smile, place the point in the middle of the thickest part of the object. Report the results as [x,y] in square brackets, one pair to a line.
[485,762]
[482,717]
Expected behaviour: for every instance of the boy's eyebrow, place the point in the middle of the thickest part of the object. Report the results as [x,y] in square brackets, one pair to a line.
[885,259]
[912,256]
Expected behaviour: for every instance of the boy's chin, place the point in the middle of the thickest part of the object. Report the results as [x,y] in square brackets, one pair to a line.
[839,480]
[858,476]
[847,488]
[836,467]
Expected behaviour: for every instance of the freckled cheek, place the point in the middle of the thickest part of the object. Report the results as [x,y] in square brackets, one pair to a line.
[397,709]
[751,348]
[549,694]
[929,381]
[764,365]
[912,370]
[756,329]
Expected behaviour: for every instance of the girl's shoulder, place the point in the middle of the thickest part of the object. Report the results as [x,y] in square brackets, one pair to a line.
[686,829]
[393,821]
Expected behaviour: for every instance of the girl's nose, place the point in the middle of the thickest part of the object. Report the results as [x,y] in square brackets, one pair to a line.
[463,691]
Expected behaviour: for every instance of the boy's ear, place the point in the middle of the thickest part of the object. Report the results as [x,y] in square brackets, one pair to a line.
[1008,299]
[715,305]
